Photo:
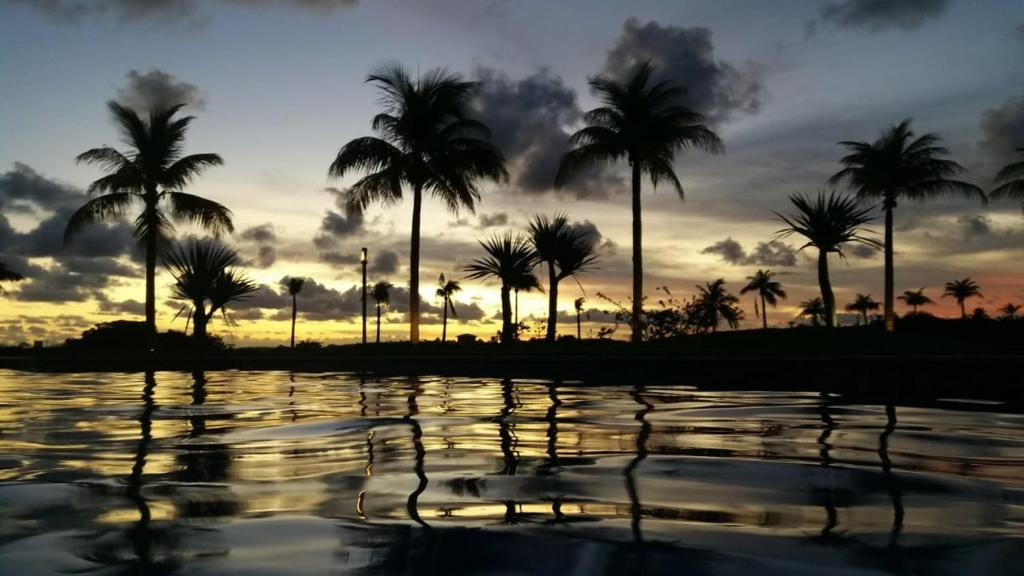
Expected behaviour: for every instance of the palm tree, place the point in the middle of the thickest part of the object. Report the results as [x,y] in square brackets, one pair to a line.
[863,303]
[827,222]
[445,290]
[578,304]
[815,310]
[381,294]
[644,123]
[1010,310]
[767,289]
[566,251]
[915,299]
[151,172]
[8,275]
[510,259]
[294,287]
[527,283]
[426,141]
[1012,177]
[715,302]
[961,290]
[900,166]
[203,272]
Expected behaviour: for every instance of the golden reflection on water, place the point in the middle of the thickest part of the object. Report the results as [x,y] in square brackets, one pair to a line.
[172,471]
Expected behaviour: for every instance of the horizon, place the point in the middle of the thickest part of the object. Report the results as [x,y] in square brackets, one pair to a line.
[781,85]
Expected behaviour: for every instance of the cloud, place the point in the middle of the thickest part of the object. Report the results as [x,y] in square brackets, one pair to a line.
[1002,132]
[531,120]
[715,88]
[772,253]
[492,220]
[161,11]
[23,190]
[862,251]
[878,15]
[59,285]
[128,307]
[974,225]
[156,89]
[262,239]
[384,262]
[337,225]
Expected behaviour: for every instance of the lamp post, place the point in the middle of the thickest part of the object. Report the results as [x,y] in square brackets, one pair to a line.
[362,259]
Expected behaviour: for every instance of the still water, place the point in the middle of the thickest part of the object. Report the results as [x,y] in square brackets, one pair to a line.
[277,473]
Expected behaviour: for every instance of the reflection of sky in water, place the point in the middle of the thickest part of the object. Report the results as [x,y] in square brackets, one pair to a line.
[230,472]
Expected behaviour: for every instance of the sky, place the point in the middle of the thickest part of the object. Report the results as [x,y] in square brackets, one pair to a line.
[277,87]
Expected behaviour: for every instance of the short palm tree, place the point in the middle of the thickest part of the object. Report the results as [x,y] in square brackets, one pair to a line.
[510,259]
[1010,310]
[717,304]
[915,299]
[566,251]
[381,294]
[152,172]
[8,275]
[578,304]
[445,290]
[899,166]
[827,222]
[815,310]
[425,141]
[768,290]
[203,272]
[294,287]
[863,304]
[1012,179]
[645,123]
[961,290]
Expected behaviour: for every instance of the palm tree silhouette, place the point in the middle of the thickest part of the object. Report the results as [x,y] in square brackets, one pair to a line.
[151,172]
[827,222]
[1010,310]
[294,287]
[510,259]
[1012,177]
[961,290]
[898,165]
[8,275]
[767,289]
[578,304]
[381,294]
[645,123]
[445,290]
[915,299]
[862,304]
[715,302]
[527,283]
[427,142]
[566,251]
[203,272]
[815,310]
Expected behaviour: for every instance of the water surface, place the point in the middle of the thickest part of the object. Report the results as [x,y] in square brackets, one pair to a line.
[276,473]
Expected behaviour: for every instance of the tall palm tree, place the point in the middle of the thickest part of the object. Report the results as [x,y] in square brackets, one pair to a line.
[899,166]
[767,289]
[961,290]
[644,123]
[827,222]
[381,294]
[203,271]
[425,141]
[294,287]
[915,299]
[578,304]
[862,304]
[8,275]
[715,302]
[151,172]
[510,259]
[566,251]
[1012,178]
[527,283]
[815,310]
[445,290]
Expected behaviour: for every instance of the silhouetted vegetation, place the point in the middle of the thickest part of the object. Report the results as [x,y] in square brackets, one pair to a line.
[863,304]
[566,251]
[1011,178]
[381,294]
[8,275]
[294,287]
[511,260]
[445,290]
[961,290]
[204,272]
[768,290]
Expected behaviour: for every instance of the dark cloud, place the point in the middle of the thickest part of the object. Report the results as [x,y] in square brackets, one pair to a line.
[146,91]
[59,285]
[266,297]
[263,234]
[974,225]
[878,15]
[338,258]
[384,262]
[531,120]
[128,307]
[715,88]
[862,251]
[492,220]
[318,302]
[772,253]
[337,225]
[161,11]
[1002,133]
[260,239]
[23,190]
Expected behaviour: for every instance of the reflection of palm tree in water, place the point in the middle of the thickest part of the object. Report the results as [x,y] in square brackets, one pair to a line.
[895,494]
[635,508]
[509,443]
[551,466]
[420,454]
[829,424]
[139,534]
[198,421]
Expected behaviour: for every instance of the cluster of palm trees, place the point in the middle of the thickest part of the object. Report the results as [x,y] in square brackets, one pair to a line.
[426,142]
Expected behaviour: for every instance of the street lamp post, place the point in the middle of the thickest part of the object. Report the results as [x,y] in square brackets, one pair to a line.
[362,258]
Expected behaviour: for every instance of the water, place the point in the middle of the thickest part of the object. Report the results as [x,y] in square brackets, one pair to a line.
[272,473]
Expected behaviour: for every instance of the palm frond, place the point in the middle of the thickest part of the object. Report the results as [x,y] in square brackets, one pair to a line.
[205,213]
[99,209]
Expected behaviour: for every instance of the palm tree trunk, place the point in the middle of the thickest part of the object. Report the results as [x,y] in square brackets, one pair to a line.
[378,322]
[826,289]
[865,313]
[294,309]
[552,301]
[444,320]
[151,238]
[764,314]
[890,281]
[963,311]
[506,315]
[638,264]
[579,331]
[414,266]
[199,322]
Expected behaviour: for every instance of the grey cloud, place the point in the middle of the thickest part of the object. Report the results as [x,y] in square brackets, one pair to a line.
[264,233]
[132,307]
[338,258]
[878,15]
[862,251]
[24,190]
[336,226]
[492,220]
[160,11]
[59,285]
[772,253]
[384,262]
[262,238]
[974,225]
[1002,132]
[145,91]
[715,88]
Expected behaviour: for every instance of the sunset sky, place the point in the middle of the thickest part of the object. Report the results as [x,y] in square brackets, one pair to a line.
[277,87]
